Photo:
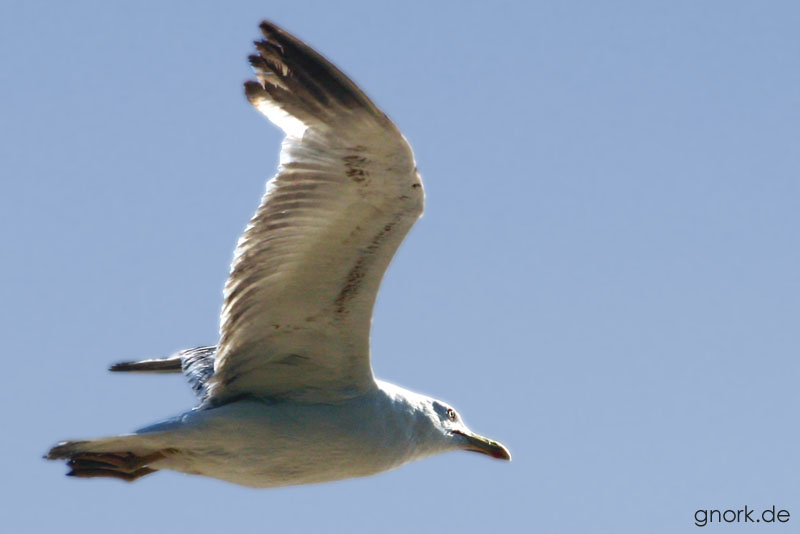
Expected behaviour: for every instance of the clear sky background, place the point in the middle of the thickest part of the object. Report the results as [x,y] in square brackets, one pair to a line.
[605,279]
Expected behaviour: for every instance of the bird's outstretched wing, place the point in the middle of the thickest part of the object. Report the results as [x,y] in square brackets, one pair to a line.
[299,299]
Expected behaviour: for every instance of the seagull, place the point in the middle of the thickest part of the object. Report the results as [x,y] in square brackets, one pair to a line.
[287,396]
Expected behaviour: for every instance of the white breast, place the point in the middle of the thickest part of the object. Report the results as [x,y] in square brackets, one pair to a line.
[261,445]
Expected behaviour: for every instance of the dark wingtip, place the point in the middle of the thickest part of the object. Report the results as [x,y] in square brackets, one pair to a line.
[162,365]
[252,86]
[269,28]
[253,91]
[257,62]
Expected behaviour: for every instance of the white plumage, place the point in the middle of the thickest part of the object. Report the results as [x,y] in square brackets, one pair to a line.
[288,396]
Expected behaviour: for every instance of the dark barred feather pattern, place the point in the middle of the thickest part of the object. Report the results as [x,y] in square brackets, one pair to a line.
[198,367]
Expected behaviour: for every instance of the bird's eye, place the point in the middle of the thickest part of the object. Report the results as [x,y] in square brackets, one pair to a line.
[451,414]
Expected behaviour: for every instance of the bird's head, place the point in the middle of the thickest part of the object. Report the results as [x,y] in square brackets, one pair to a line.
[461,437]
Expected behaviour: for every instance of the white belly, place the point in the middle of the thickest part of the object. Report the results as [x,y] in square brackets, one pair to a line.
[262,445]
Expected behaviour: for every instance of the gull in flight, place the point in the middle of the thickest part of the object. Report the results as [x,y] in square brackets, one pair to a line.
[287,396]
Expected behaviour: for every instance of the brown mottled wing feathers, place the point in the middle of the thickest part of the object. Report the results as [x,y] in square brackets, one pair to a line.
[298,302]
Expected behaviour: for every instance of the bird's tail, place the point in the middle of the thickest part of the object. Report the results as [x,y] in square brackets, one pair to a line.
[126,457]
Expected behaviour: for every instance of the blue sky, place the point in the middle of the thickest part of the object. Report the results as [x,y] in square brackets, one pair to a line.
[605,279]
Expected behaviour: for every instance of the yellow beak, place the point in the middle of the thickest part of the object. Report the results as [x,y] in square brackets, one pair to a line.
[484,445]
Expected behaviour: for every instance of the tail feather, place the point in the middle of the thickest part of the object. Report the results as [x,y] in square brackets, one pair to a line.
[123,457]
[79,471]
